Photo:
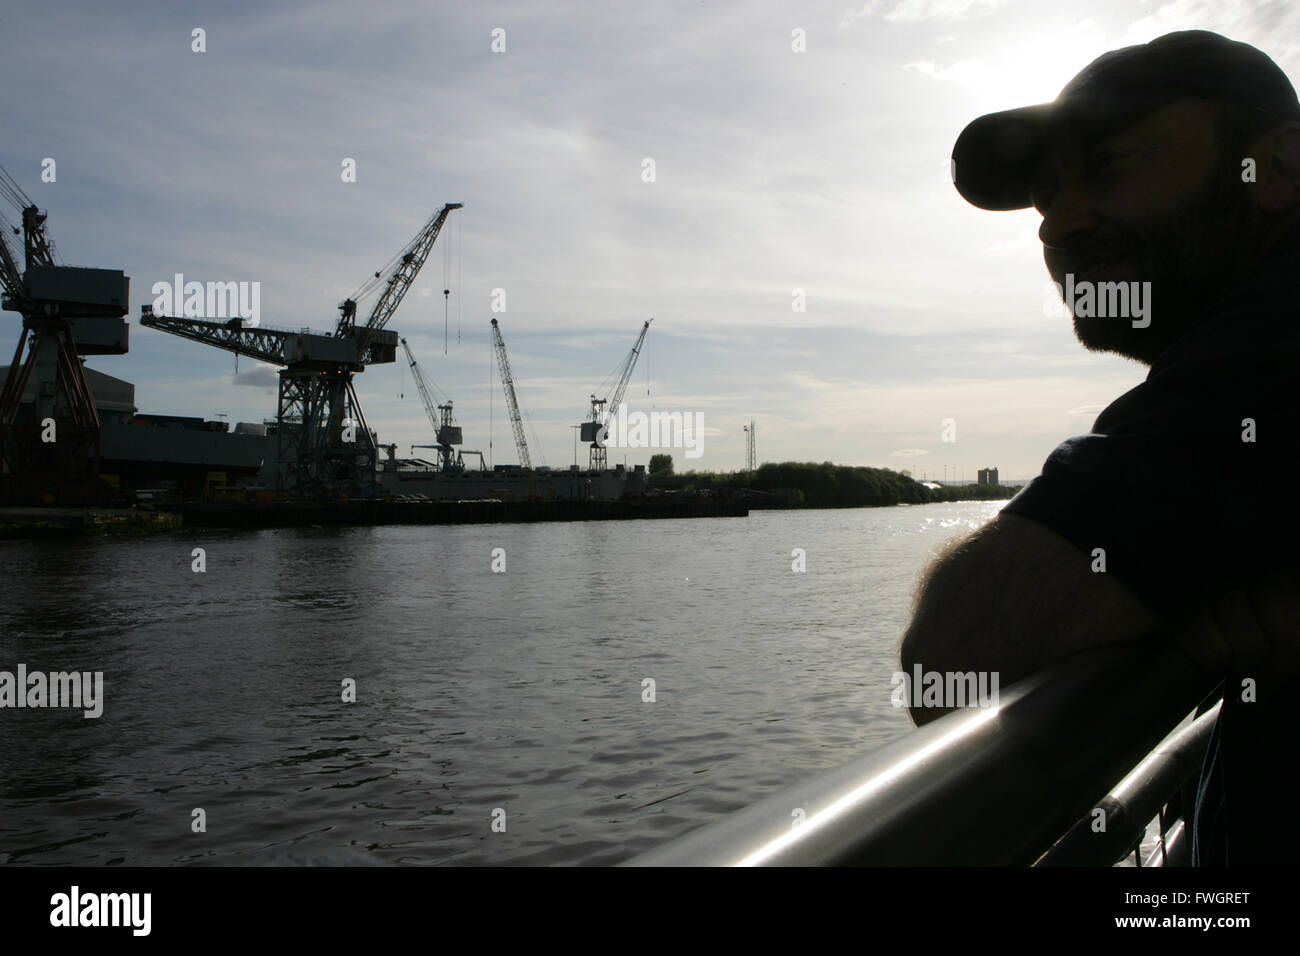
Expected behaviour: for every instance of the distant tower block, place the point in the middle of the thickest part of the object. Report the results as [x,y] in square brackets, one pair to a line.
[987,476]
[751,449]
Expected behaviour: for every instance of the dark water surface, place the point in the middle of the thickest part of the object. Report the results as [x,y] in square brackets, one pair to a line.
[476,691]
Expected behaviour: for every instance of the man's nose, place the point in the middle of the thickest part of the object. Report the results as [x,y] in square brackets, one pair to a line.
[1071,212]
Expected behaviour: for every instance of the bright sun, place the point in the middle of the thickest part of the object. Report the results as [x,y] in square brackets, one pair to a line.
[1032,69]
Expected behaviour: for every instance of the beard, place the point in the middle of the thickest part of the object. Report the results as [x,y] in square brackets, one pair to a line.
[1192,256]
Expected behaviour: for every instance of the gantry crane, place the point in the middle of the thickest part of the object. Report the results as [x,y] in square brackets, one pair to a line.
[512,403]
[602,408]
[445,430]
[67,312]
[323,443]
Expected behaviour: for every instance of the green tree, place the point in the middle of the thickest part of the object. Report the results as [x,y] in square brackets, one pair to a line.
[661,465]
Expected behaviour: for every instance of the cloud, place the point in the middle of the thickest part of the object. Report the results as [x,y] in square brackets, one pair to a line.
[963,71]
[1026,238]
[865,10]
[776,171]
[916,11]
[1271,25]
[912,11]
[1091,409]
[260,376]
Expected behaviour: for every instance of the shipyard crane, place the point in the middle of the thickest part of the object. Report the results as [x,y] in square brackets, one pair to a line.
[323,443]
[445,429]
[601,408]
[512,403]
[67,312]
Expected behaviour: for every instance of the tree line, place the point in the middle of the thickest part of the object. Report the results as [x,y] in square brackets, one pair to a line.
[824,485]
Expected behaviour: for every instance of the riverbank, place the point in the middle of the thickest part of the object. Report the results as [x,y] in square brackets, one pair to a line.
[56,522]
[794,484]
[64,522]
[388,511]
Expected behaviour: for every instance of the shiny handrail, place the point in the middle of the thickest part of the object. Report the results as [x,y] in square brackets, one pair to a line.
[1137,799]
[981,786]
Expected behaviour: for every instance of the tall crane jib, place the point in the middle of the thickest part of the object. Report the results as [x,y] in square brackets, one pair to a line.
[323,444]
[51,443]
[603,408]
[512,403]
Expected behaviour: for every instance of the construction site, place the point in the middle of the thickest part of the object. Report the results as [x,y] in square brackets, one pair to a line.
[73,437]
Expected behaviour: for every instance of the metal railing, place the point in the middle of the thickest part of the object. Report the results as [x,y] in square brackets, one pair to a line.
[1153,791]
[1002,785]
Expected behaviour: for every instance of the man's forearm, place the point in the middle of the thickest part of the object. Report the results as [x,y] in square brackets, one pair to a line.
[1011,599]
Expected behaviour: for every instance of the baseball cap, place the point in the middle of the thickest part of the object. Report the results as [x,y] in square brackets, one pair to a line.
[994,157]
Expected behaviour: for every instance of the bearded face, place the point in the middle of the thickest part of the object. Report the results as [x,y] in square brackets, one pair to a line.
[1143,206]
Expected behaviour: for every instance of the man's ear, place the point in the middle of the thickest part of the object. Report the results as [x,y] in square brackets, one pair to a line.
[1277,176]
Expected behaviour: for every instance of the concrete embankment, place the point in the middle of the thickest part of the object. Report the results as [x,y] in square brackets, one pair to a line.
[376,512]
[59,522]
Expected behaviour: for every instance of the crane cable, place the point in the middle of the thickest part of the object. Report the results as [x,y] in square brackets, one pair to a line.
[367,287]
[10,189]
[460,270]
[446,293]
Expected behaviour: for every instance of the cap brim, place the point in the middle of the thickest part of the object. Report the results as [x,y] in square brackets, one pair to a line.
[993,159]
[996,155]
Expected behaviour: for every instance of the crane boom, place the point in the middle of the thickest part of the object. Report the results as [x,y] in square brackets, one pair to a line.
[409,263]
[266,345]
[445,428]
[39,250]
[430,407]
[10,275]
[512,403]
[629,364]
[603,408]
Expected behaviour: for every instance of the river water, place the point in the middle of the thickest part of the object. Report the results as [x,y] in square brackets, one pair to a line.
[500,717]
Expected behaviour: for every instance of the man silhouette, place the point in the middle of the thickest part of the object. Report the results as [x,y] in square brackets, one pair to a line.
[1170,168]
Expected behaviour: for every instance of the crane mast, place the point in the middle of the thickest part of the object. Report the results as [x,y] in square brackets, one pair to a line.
[67,312]
[512,403]
[326,407]
[601,408]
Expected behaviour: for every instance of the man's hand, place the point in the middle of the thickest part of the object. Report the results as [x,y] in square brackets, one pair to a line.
[1253,631]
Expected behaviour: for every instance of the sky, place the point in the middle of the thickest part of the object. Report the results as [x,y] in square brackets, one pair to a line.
[712,166]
